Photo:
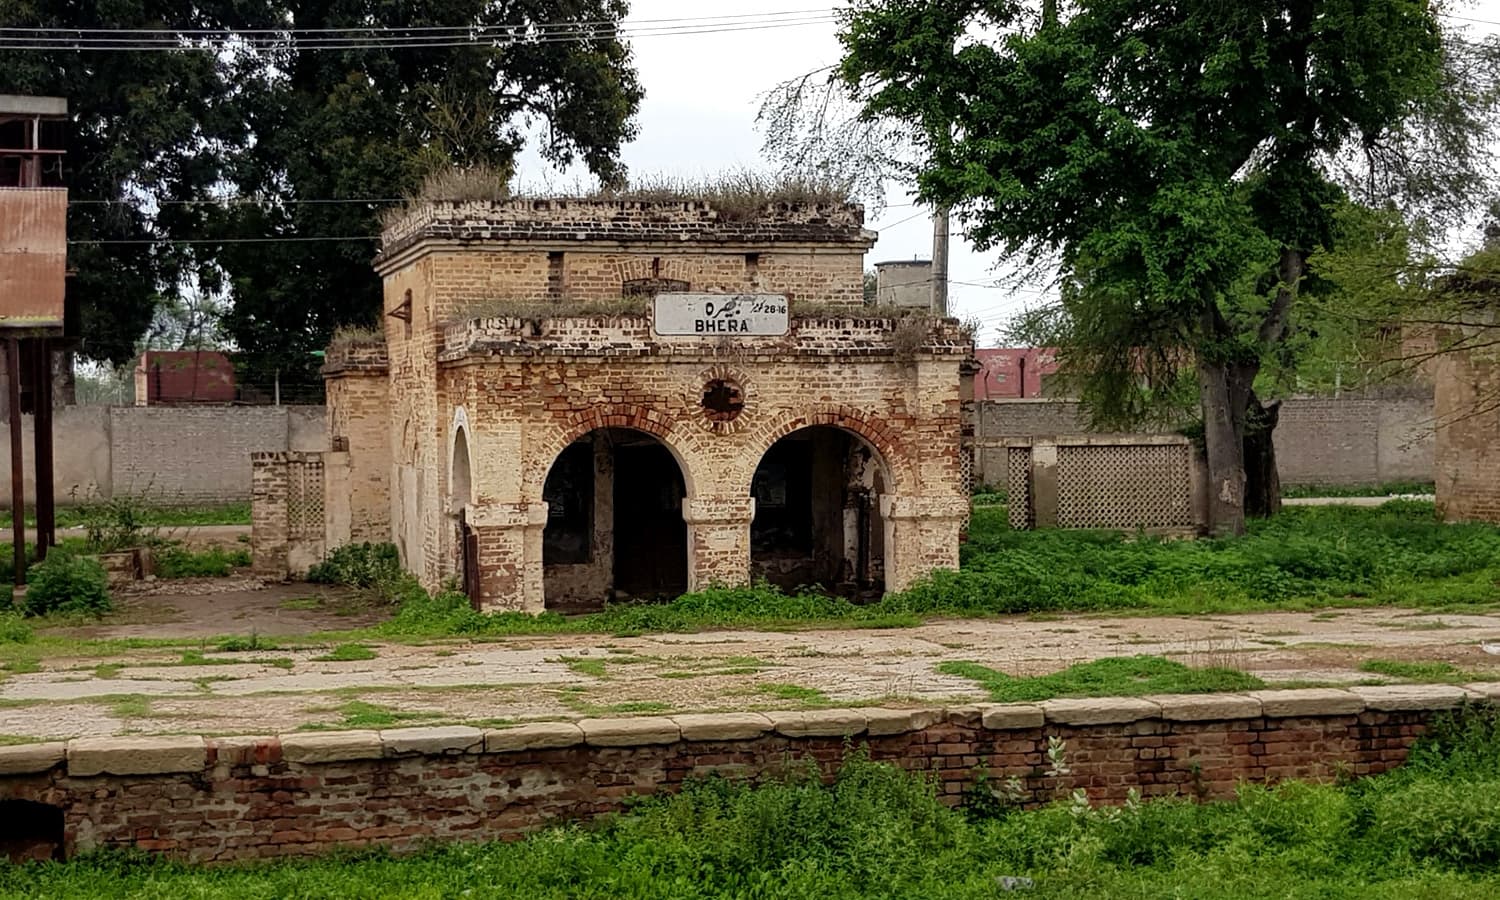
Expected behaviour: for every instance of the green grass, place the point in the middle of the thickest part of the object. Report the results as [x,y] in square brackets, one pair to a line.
[347,653]
[1426,670]
[793,692]
[359,714]
[1306,558]
[1387,489]
[155,516]
[1429,830]
[1115,677]
[214,562]
[594,668]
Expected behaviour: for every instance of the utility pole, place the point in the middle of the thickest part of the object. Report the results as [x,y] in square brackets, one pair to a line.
[940,261]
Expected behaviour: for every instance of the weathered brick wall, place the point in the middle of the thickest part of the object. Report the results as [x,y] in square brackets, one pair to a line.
[231,798]
[358,431]
[1349,440]
[168,454]
[1468,434]
[526,396]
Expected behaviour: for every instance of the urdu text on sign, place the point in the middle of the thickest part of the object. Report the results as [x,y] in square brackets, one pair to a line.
[701,315]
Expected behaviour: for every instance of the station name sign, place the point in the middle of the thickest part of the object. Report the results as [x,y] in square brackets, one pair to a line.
[703,315]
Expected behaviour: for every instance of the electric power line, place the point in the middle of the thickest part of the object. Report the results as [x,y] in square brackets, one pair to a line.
[495,36]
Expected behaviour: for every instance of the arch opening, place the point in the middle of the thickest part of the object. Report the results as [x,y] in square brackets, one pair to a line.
[460,484]
[817,513]
[614,528]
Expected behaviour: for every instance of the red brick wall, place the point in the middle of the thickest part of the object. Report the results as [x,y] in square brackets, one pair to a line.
[240,798]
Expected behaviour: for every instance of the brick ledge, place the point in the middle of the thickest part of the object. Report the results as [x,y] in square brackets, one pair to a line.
[92,756]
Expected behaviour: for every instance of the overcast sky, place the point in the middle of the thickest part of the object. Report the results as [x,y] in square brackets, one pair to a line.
[698,117]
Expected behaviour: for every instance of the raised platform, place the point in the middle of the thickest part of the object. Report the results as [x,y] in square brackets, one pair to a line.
[227,798]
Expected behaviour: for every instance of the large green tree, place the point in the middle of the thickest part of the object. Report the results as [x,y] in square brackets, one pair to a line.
[308,138]
[1178,162]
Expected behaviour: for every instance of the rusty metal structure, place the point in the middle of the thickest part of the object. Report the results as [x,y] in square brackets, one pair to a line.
[33,278]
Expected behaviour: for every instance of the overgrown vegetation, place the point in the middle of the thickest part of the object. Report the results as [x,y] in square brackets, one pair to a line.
[1306,557]
[175,561]
[1114,677]
[149,515]
[1387,489]
[1430,829]
[360,565]
[67,584]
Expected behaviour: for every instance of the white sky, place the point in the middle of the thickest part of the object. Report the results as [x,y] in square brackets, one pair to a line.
[698,117]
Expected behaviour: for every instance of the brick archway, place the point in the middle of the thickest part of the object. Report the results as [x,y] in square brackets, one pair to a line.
[636,418]
[875,432]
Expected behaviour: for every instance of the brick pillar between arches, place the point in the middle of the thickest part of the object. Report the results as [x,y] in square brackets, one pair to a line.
[718,540]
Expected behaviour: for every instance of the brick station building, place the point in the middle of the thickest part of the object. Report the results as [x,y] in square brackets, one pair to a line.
[531,427]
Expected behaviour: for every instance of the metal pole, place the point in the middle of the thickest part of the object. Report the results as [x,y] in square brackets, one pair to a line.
[940,261]
[17,472]
[46,499]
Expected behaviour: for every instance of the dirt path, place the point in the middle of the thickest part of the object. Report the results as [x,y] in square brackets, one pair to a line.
[194,686]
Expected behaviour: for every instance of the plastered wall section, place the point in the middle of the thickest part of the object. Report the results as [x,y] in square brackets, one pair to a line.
[167,454]
[236,798]
[1351,440]
[1468,436]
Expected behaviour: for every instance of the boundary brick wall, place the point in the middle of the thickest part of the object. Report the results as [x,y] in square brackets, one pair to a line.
[232,798]
[167,454]
[1349,440]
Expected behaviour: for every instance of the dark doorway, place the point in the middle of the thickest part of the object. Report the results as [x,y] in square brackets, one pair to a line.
[817,514]
[614,522]
[650,534]
[30,831]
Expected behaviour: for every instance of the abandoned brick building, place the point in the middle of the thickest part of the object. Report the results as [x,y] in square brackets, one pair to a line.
[582,400]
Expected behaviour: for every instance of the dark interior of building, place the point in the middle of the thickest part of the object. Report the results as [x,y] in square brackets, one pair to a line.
[614,523]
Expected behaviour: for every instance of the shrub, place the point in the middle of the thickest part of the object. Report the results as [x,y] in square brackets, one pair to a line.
[215,562]
[14,629]
[359,565]
[65,583]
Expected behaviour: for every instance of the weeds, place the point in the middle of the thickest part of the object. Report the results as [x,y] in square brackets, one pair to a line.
[347,653]
[67,584]
[1430,829]
[1116,677]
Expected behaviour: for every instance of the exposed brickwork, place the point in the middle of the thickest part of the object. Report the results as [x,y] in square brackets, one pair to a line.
[1468,433]
[245,798]
[523,388]
[358,384]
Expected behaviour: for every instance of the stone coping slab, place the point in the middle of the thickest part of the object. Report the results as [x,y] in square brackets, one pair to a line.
[1100,710]
[26,759]
[167,755]
[134,755]
[1301,702]
[443,740]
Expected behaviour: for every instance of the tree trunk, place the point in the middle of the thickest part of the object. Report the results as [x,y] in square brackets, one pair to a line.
[1262,480]
[1225,449]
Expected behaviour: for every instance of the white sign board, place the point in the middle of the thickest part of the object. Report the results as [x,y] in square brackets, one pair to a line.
[720,314]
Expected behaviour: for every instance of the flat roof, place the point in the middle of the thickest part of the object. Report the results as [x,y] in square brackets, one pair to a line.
[24,105]
[904,262]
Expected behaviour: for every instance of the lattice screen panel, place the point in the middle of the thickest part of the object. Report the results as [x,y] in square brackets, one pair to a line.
[1126,487]
[1018,486]
[304,498]
[966,475]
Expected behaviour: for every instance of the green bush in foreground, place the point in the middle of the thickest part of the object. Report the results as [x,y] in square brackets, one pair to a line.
[1429,830]
[69,584]
[359,565]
